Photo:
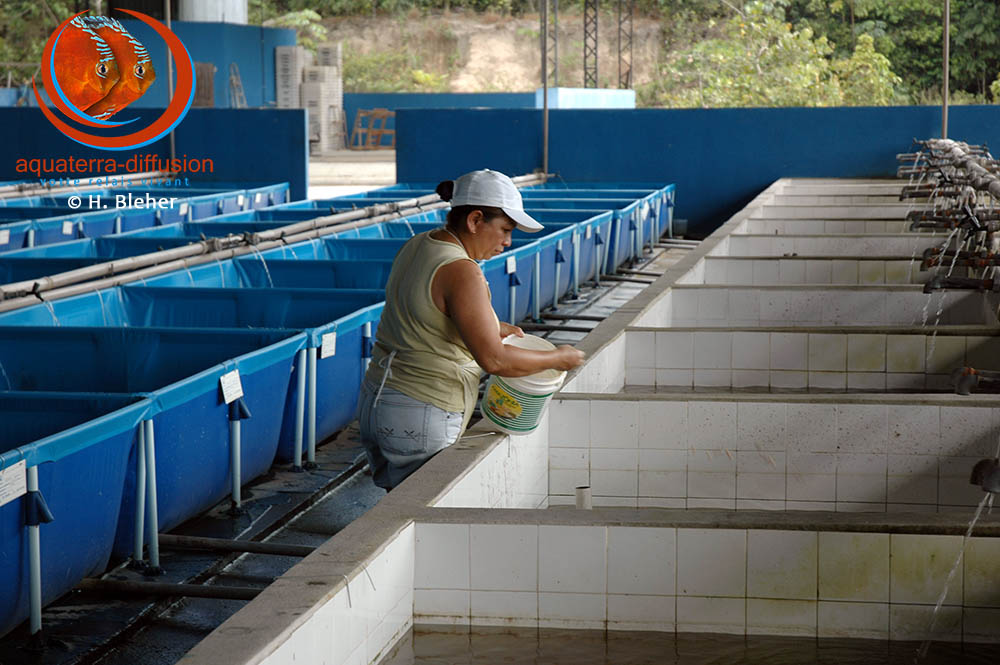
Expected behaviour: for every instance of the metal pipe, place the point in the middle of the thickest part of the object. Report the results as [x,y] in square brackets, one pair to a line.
[946,48]
[236,461]
[156,263]
[555,286]
[536,286]
[549,326]
[512,311]
[618,278]
[225,545]
[573,317]
[170,78]
[311,420]
[114,587]
[153,523]
[28,188]
[34,563]
[300,407]
[576,264]
[140,496]
[545,87]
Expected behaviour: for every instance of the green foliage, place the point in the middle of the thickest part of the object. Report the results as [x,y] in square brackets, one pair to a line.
[25,25]
[866,78]
[389,71]
[760,60]
[306,24]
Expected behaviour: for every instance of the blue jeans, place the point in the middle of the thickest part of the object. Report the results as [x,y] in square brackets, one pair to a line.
[401,433]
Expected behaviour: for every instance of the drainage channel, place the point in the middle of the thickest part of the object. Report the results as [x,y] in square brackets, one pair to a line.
[218,561]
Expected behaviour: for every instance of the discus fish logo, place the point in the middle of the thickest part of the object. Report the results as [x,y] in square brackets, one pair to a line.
[92,68]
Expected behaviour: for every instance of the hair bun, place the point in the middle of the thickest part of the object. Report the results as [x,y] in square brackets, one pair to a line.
[446,189]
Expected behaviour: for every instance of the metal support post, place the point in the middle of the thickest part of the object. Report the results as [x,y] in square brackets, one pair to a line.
[153,523]
[235,461]
[34,563]
[555,286]
[300,407]
[311,450]
[536,287]
[140,496]
[590,8]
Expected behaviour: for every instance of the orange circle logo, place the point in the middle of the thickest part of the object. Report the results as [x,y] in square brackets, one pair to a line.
[92,68]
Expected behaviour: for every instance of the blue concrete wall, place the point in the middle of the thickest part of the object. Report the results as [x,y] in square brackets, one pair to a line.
[251,47]
[247,146]
[431,100]
[719,158]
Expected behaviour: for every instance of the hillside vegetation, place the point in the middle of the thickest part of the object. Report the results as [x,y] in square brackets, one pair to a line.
[686,53]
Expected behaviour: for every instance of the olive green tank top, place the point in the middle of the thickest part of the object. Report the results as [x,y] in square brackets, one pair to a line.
[431,362]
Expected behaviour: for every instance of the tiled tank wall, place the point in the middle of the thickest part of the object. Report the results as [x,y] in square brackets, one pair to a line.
[822,226]
[513,474]
[710,306]
[743,581]
[827,360]
[805,245]
[775,453]
[766,272]
[362,620]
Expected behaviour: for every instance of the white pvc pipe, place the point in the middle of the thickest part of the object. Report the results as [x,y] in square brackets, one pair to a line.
[235,460]
[311,450]
[154,520]
[584,498]
[140,495]
[34,563]
[300,407]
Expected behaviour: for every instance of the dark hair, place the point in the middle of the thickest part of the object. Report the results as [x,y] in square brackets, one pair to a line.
[458,214]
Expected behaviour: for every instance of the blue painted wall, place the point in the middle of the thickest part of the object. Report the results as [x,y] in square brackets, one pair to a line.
[249,146]
[719,158]
[431,100]
[251,47]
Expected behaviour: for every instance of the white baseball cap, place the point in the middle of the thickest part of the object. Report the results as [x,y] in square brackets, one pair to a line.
[493,189]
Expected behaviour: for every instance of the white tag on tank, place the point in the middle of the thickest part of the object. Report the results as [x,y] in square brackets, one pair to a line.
[586,234]
[256,197]
[67,228]
[239,201]
[4,236]
[13,482]
[183,209]
[329,345]
[232,387]
[511,265]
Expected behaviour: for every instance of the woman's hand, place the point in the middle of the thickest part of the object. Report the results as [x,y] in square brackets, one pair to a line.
[569,357]
[507,329]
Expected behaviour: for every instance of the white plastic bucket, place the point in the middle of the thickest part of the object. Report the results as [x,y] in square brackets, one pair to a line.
[515,405]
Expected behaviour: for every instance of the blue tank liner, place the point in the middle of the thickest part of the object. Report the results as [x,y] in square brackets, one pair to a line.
[18,269]
[80,443]
[53,221]
[180,369]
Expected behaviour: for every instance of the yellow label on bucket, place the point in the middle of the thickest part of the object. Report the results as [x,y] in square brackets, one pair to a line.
[502,403]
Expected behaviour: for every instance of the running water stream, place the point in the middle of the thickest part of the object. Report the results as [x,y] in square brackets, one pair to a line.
[922,651]
[6,378]
[267,273]
[52,312]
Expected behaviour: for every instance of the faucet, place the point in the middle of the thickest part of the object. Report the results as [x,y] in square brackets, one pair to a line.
[986,474]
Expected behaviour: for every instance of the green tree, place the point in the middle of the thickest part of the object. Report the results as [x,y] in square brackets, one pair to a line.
[866,78]
[759,61]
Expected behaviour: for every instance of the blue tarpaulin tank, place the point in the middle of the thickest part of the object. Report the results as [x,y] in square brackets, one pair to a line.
[80,444]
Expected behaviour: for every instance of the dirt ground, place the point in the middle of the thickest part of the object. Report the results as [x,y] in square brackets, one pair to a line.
[492,53]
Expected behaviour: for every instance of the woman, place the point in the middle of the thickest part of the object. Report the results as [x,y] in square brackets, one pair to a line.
[438,329]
